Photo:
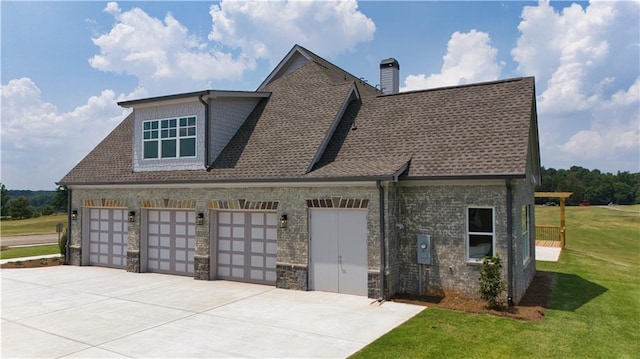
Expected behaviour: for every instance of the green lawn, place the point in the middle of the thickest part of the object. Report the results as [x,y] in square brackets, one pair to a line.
[40,225]
[19,252]
[594,310]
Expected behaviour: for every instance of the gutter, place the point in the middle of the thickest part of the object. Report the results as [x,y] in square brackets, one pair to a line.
[383,252]
[67,250]
[206,130]
[510,255]
[235,180]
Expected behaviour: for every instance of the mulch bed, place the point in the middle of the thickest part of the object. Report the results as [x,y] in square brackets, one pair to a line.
[34,263]
[531,308]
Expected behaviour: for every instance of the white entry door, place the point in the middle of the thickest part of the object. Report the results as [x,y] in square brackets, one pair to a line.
[339,251]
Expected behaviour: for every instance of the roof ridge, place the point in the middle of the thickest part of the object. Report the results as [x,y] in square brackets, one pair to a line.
[324,62]
[475,84]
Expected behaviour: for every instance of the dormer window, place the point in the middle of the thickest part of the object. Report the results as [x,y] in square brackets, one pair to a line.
[169,138]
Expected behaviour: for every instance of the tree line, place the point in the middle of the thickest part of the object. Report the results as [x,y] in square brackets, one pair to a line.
[591,186]
[21,204]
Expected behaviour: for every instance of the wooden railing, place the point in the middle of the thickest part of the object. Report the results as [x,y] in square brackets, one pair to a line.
[550,236]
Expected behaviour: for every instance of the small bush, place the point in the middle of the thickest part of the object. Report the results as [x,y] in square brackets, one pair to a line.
[62,244]
[491,282]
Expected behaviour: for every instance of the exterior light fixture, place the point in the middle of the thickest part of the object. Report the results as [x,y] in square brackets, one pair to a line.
[74,214]
[132,216]
[283,221]
[200,219]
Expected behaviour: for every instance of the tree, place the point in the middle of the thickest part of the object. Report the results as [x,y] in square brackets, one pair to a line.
[19,208]
[60,199]
[4,199]
[47,210]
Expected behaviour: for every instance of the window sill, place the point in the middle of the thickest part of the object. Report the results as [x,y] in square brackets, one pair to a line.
[473,262]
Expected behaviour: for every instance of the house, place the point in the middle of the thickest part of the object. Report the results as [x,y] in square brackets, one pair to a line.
[317,181]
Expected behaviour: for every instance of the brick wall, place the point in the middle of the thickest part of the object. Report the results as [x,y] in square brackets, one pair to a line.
[435,208]
[293,244]
[439,209]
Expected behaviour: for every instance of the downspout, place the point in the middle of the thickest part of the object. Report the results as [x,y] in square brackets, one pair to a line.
[509,242]
[206,130]
[67,251]
[383,252]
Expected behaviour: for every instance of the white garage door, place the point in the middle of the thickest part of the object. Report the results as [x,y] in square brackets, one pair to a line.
[171,242]
[247,246]
[108,237]
[339,251]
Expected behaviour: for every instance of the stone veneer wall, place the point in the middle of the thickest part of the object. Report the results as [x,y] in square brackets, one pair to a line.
[293,245]
[439,210]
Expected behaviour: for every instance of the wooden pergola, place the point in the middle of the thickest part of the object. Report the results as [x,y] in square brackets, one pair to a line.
[553,233]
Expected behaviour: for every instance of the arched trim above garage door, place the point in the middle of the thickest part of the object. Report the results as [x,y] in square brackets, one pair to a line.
[338,202]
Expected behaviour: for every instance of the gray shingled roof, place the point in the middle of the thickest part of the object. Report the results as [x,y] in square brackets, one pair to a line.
[472,130]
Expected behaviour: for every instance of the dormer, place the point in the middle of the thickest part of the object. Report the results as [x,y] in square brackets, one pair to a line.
[187,131]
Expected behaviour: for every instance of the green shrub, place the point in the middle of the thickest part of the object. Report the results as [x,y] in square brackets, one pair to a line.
[62,244]
[491,282]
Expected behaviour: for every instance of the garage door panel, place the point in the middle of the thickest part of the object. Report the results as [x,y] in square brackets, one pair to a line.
[257,233]
[247,246]
[224,258]
[224,245]
[272,248]
[237,272]
[171,241]
[257,219]
[224,232]
[107,237]
[257,261]
[238,245]
[238,232]
[270,276]
[238,259]
[238,217]
[257,247]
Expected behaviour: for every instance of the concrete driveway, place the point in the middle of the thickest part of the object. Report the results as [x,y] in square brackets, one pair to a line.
[92,312]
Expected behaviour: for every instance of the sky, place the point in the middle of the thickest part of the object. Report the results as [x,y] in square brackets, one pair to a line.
[65,65]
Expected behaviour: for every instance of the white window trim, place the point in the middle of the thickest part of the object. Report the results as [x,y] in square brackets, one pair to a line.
[177,138]
[467,233]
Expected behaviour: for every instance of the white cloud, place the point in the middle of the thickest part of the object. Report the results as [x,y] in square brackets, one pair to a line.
[166,57]
[470,58]
[586,62]
[268,29]
[571,52]
[162,54]
[40,143]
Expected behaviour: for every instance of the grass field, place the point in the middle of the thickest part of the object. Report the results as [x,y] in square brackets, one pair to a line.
[594,310]
[19,252]
[40,225]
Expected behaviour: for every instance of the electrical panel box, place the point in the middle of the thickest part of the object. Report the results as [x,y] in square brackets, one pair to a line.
[424,248]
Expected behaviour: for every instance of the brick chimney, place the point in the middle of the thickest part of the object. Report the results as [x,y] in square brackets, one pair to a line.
[389,76]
